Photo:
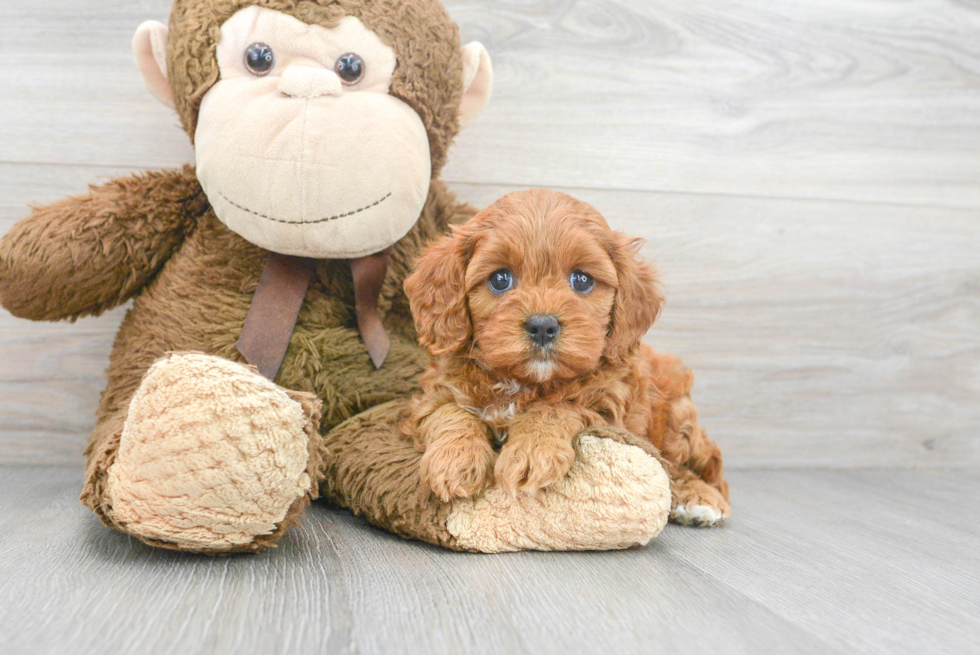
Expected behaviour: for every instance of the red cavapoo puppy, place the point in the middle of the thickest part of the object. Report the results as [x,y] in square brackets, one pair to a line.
[533,313]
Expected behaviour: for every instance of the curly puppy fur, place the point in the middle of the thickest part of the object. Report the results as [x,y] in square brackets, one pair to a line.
[490,381]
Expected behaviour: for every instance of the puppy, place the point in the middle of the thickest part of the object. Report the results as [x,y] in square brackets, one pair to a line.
[533,313]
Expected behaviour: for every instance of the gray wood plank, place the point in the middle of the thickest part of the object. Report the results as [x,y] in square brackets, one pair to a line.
[868,100]
[856,100]
[551,603]
[822,333]
[812,562]
[98,591]
[74,94]
[872,561]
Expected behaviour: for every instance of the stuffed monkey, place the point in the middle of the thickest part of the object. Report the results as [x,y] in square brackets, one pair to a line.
[270,349]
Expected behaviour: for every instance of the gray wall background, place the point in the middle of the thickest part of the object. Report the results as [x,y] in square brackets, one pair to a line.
[806,173]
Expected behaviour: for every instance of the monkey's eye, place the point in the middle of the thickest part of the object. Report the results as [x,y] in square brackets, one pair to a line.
[581,282]
[349,68]
[259,59]
[502,280]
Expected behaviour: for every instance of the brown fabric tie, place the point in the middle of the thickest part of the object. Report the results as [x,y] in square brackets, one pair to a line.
[369,274]
[279,297]
[275,308]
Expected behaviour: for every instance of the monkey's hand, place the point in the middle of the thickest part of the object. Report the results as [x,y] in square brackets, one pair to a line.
[87,254]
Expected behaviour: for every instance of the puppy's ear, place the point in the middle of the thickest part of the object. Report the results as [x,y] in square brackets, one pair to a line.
[437,294]
[638,299]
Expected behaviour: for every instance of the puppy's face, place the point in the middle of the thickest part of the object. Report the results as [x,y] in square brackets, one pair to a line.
[540,291]
[536,287]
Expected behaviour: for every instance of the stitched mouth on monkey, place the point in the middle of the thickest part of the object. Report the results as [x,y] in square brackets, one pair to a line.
[309,222]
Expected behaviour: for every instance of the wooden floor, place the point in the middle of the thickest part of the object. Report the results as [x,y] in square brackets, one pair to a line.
[807,176]
[812,562]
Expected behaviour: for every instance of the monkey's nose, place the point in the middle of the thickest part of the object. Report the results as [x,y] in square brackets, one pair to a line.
[542,328]
[309,82]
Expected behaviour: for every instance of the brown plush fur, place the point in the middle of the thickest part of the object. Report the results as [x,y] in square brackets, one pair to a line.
[56,266]
[387,494]
[153,238]
[489,378]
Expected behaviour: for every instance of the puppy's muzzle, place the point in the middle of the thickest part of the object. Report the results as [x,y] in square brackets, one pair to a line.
[542,328]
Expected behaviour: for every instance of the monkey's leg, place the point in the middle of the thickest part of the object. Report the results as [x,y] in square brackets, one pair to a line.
[693,460]
[209,456]
[616,494]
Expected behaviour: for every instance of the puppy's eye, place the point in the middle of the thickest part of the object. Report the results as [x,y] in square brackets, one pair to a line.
[259,59]
[502,280]
[581,282]
[349,68]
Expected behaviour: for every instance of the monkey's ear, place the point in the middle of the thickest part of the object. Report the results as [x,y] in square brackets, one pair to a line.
[477,82]
[150,48]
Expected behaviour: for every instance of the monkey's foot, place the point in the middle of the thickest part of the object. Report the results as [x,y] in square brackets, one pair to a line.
[213,458]
[616,495]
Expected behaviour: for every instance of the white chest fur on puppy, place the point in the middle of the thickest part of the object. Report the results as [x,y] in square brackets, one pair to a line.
[273,154]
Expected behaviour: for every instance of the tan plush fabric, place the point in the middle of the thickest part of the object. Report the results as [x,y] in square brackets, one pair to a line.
[426,40]
[282,157]
[477,80]
[615,496]
[212,455]
[150,50]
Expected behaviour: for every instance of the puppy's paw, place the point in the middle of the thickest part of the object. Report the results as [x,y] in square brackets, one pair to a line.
[458,467]
[697,516]
[699,505]
[533,464]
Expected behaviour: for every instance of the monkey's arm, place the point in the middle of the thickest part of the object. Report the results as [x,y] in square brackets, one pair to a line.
[89,253]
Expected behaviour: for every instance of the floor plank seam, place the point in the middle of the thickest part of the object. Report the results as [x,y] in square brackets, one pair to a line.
[560,187]
[723,194]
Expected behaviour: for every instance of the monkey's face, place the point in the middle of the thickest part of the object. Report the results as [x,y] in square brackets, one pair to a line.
[300,148]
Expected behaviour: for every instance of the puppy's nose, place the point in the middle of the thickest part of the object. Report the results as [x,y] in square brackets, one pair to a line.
[542,328]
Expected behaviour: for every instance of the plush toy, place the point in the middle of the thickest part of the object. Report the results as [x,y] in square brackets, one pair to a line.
[270,352]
